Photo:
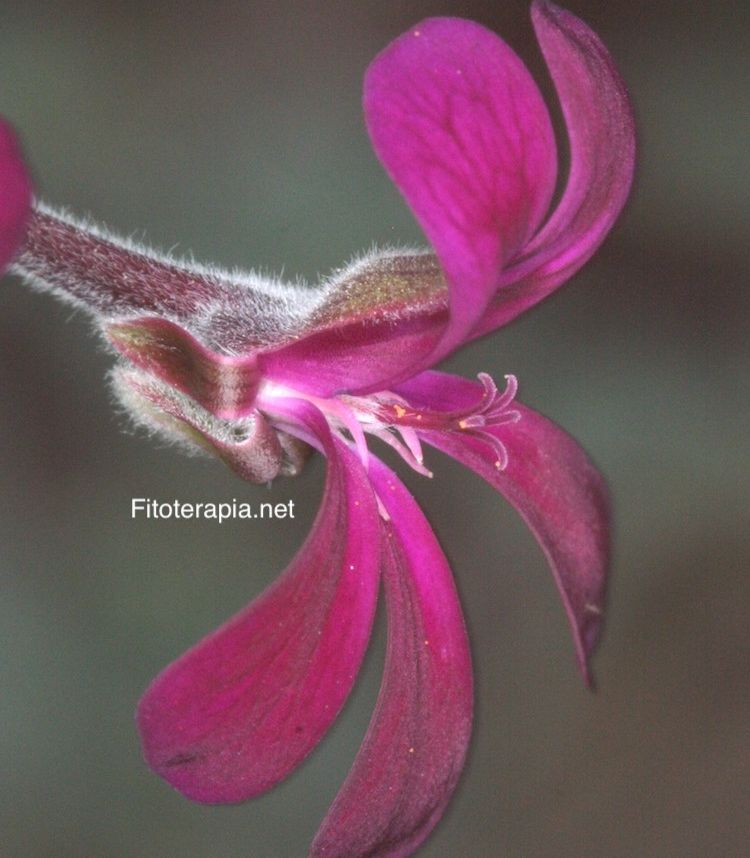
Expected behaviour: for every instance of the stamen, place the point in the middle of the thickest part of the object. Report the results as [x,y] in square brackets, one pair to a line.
[384,514]
[490,410]
[509,394]
[411,439]
[348,420]
[398,423]
[501,462]
[389,438]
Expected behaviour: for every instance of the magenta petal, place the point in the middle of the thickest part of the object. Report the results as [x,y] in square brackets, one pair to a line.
[462,130]
[354,359]
[553,485]
[15,195]
[412,756]
[601,130]
[242,709]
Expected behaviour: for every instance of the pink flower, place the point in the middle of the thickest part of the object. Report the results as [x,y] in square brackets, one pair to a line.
[15,195]
[259,373]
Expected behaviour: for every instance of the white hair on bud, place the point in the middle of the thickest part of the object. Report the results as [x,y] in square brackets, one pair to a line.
[139,396]
[232,312]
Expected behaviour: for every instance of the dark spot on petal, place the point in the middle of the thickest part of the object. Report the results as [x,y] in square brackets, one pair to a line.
[181,759]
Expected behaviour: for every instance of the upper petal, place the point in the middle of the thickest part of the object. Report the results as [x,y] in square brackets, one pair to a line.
[412,756]
[462,130]
[354,358]
[552,483]
[242,709]
[15,195]
[601,131]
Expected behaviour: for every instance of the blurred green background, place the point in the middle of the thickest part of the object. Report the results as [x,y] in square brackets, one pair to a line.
[234,130]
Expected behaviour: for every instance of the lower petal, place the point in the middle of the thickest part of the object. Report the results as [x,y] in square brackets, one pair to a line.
[552,483]
[239,711]
[413,754]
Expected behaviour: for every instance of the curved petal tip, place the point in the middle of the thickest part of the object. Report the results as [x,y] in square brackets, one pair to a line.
[554,486]
[411,759]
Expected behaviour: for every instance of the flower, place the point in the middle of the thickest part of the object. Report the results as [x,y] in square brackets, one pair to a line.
[15,195]
[261,373]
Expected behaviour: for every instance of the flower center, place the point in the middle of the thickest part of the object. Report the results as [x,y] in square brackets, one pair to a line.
[399,423]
